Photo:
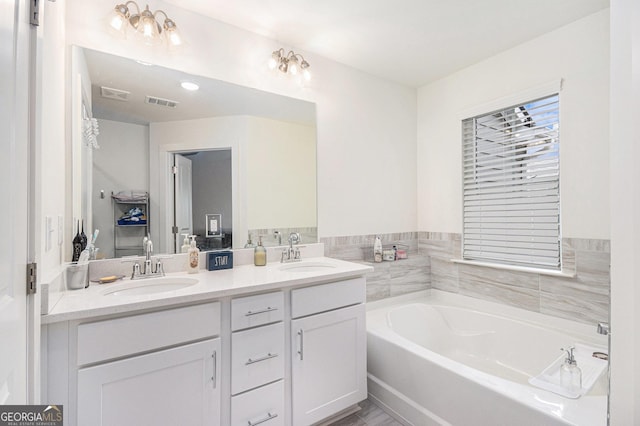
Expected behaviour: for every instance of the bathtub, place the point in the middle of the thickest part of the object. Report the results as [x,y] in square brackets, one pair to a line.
[446,359]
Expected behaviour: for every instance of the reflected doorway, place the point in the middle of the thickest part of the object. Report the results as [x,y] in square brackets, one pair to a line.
[202,189]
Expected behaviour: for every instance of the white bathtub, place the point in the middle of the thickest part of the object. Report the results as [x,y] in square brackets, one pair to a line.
[445,359]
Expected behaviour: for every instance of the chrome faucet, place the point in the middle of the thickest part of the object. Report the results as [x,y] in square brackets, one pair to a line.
[291,254]
[147,244]
[278,236]
[149,270]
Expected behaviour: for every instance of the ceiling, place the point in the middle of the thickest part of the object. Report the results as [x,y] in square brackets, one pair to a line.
[412,42]
[214,98]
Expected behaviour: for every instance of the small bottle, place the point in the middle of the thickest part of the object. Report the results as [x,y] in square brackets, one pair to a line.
[259,254]
[77,245]
[570,373]
[185,244]
[249,243]
[193,255]
[377,250]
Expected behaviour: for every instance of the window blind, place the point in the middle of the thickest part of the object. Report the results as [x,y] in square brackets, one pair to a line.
[511,191]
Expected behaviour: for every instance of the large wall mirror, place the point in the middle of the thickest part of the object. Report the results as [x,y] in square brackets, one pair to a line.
[224,162]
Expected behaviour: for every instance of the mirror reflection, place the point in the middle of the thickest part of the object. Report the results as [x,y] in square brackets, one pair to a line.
[223,162]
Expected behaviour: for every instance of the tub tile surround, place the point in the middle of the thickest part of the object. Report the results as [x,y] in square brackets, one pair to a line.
[584,297]
[388,278]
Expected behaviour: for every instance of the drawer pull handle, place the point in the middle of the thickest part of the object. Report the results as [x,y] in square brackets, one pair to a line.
[266,419]
[301,351]
[269,309]
[214,378]
[264,358]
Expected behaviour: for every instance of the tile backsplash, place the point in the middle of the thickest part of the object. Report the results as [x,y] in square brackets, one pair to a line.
[583,297]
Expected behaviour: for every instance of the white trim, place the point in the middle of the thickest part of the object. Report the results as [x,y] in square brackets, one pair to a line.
[551,272]
[522,96]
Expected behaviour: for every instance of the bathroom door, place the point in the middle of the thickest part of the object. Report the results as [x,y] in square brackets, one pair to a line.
[183,217]
[14,187]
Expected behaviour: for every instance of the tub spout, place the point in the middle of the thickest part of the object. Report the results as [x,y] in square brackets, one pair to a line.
[603,328]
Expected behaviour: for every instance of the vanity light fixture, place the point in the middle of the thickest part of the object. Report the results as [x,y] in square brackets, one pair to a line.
[146,24]
[291,63]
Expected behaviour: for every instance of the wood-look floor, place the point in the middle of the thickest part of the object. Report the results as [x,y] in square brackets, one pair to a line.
[369,415]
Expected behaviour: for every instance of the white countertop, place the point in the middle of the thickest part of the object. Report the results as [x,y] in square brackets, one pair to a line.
[243,279]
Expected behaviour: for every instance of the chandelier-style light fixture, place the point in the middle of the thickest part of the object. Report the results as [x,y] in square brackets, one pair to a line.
[146,24]
[291,63]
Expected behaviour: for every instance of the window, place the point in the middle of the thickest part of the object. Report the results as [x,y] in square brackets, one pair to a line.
[511,191]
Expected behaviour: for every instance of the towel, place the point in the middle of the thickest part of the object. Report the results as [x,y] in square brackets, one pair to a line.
[591,369]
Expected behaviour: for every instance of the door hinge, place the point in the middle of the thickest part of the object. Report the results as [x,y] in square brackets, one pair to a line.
[32,275]
[174,229]
[34,12]
[174,170]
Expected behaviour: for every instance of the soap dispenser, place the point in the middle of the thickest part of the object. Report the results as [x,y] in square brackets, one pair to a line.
[570,373]
[259,254]
[185,244]
[193,256]
[377,250]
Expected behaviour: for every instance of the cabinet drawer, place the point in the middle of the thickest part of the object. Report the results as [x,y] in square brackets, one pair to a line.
[257,310]
[325,297]
[262,406]
[257,357]
[102,340]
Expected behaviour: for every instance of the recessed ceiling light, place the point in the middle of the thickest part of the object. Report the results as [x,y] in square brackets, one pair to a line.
[189,85]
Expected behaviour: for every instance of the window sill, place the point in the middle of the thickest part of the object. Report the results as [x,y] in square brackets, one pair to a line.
[563,274]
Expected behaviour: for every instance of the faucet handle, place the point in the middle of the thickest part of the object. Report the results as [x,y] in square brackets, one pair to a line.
[136,270]
[159,267]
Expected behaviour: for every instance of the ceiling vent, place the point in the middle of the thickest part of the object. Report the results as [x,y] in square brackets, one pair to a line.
[161,102]
[115,94]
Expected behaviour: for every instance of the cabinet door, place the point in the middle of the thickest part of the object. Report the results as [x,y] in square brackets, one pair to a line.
[178,386]
[328,363]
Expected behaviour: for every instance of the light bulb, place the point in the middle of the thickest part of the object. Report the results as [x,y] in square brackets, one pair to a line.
[172,33]
[117,22]
[174,38]
[273,64]
[118,19]
[293,65]
[306,74]
[146,27]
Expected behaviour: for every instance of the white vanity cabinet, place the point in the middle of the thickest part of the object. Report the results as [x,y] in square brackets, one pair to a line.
[328,357]
[258,360]
[160,367]
[177,386]
[290,353]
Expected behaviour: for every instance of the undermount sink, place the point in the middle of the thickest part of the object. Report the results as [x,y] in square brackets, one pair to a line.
[307,267]
[150,286]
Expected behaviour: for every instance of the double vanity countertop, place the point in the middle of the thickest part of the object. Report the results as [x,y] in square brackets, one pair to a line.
[127,295]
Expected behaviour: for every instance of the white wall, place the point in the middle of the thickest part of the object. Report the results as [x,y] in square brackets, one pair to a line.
[579,54]
[51,135]
[625,212]
[120,164]
[281,174]
[366,125]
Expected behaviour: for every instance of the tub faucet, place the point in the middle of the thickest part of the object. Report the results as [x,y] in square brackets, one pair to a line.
[603,328]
